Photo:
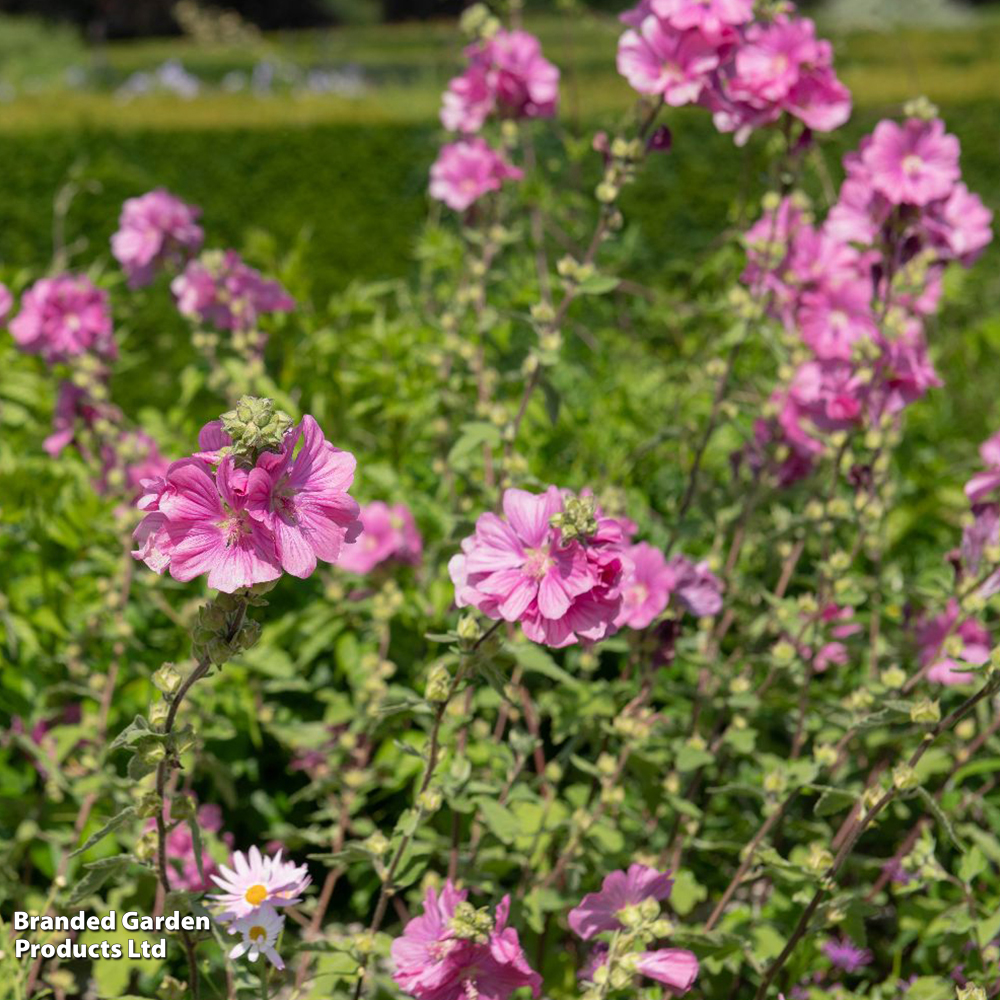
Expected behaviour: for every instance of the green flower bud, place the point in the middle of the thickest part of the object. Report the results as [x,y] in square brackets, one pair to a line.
[470,924]
[925,710]
[255,426]
[577,520]
[167,679]
[905,778]
[438,684]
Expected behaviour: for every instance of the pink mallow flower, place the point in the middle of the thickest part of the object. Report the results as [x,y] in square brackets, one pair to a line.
[466,170]
[935,637]
[521,569]
[388,533]
[242,526]
[153,230]
[984,483]
[914,163]
[302,499]
[713,18]
[507,75]
[219,289]
[960,226]
[64,317]
[454,952]
[658,59]
[599,912]
[646,587]
[181,850]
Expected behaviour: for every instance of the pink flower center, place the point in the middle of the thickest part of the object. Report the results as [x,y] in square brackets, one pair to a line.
[637,594]
[235,527]
[912,165]
[537,563]
[283,501]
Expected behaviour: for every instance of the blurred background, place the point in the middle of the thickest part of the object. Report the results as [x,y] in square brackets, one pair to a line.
[315,121]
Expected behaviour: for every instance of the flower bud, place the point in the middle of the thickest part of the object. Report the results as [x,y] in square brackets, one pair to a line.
[438,684]
[925,710]
[167,679]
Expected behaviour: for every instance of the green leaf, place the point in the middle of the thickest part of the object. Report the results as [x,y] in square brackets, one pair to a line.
[474,435]
[97,875]
[598,284]
[535,660]
[125,816]
[499,819]
[936,811]
[686,893]
[137,729]
[973,864]
[834,800]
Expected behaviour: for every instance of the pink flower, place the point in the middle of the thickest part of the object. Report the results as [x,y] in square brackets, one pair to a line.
[155,229]
[181,851]
[507,75]
[6,303]
[74,408]
[646,587]
[257,882]
[833,624]
[715,19]
[676,967]
[984,483]
[697,589]
[914,163]
[823,396]
[932,638]
[219,289]
[960,226]
[466,170]
[387,533]
[129,460]
[437,958]
[64,317]
[903,373]
[520,569]
[600,911]
[835,318]
[206,528]
[658,59]
[770,62]
[302,499]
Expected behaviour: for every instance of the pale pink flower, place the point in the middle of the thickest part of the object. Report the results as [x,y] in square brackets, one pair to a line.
[819,100]
[835,318]
[770,61]
[388,533]
[64,317]
[433,963]
[676,967]
[466,170]
[658,59]
[903,373]
[302,499]
[468,101]
[834,623]
[599,912]
[154,230]
[519,569]
[259,933]
[914,163]
[255,880]
[646,587]
[823,396]
[219,289]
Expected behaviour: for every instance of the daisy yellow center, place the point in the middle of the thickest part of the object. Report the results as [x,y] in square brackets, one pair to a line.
[912,164]
[537,562]
[257,933]
[256,895]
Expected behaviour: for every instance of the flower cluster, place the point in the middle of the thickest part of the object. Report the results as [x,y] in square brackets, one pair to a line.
[389,533]
[219,289]
[63,318]
[748,73]
[949,643]
[252,889]
[251,503]
[466,170]
[155,230]
[553,563]
[652,581]
[854,292]
[507,76]
[628,907]
[453,951]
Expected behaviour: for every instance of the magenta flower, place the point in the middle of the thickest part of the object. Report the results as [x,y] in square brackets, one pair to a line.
[696,588]
[975,640]
[181,852]
[835,318]
[219,289]
[153,230]
[770,61]
[302,499]
[508,76]
[388,533]
[846,955]
[823,396]
[675,967]
[960,227]
[834,623]
[598,912]
[74,409]
[646,587]
[466,170]
[520,569]
[64,317]
[450,952]
[715,19]
[914,163]
[658,59]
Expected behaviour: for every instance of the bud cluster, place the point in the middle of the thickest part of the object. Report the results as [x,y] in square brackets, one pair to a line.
[255,426]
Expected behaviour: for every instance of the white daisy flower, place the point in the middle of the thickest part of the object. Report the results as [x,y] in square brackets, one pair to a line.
[255,880]
[259,933]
